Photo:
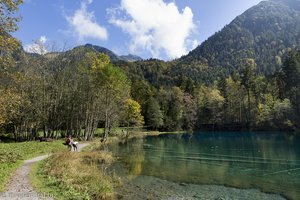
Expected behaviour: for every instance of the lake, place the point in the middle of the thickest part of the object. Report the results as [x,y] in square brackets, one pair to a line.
[269,162]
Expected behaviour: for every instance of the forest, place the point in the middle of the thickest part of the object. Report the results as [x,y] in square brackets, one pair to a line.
[80,90]
[83,122]
[243,100]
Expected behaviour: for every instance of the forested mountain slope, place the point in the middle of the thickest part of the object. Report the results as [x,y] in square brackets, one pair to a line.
[113,57]
[265,32]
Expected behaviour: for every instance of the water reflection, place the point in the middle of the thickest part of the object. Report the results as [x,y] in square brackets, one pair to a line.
[270,162]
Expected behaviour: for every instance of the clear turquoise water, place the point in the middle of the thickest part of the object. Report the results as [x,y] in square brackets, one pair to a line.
[266,161]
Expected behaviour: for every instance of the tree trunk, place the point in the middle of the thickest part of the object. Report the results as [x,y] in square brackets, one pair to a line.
[249,110]
[106,127]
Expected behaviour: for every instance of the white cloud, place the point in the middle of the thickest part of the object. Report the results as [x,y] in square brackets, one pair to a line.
[84,23]
[195,44]
[43,39]
[155,26]
[38,46]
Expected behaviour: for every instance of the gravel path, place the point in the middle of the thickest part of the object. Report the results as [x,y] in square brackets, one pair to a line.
[19,187]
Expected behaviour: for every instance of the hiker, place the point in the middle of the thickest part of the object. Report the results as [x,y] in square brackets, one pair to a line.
[69,142]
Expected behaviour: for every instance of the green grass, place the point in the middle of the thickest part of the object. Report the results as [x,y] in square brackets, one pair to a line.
[13,154]
[82,175]
[43,183]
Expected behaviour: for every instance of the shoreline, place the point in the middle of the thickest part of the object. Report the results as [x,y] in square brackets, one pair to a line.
[134,186]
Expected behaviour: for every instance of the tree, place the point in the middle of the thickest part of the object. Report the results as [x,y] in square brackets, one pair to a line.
[113,89]
[9,97]
[291,79]
[154,116]
[189,112]
[210,104]
[141,91]
[247,80]
[277,114]
[8,24]
[215,105]
[283,115]
[132,113]
[174,113]
[29,116]
[8,100]
[234,95]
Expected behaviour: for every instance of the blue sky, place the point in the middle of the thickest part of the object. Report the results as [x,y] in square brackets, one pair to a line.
[163,29]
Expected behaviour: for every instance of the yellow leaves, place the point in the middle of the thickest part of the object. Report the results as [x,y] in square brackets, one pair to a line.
[264,114]
[8,44]
[102,60]
[132,107]
[7,18]
[209,96]
[132,111]
[250,62]
[274,112]
[98,61]
[216,96]
[9,101]
[11,4]
[278,60]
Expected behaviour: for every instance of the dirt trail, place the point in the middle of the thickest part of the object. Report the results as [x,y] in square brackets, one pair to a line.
[19,187]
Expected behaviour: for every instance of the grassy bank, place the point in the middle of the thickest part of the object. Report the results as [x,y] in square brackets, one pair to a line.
[80,175]
[13,154]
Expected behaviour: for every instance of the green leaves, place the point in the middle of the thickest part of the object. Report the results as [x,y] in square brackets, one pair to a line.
[154,116]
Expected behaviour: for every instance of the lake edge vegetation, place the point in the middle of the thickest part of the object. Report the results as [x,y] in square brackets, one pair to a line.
[64,174]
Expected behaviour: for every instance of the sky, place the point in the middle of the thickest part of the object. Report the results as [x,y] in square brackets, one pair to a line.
[164,29]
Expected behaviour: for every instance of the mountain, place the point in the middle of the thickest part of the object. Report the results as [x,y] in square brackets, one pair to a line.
[130,58]
[265,32]
[114,57]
